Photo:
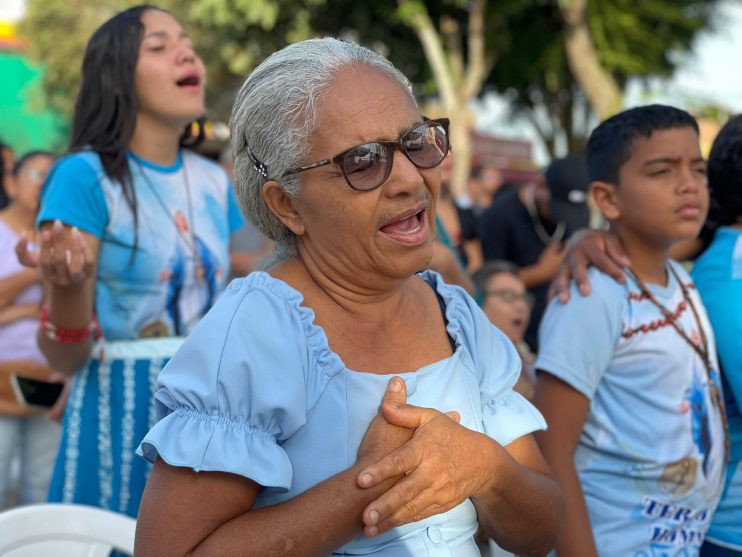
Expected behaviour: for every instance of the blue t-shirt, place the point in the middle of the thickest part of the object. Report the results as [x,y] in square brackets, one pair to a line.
[651,454]
[186,213]
[255,390]
[718,276]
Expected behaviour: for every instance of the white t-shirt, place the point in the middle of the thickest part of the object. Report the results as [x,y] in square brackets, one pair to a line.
[651,454]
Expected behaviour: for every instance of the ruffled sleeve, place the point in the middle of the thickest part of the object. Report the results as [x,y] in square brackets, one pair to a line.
[506,415]
[235,390]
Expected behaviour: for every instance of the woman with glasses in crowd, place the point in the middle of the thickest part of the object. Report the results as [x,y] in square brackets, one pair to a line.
[507,303]
[133,247]
[340,402]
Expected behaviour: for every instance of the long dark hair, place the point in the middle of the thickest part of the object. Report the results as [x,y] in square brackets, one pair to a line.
[106,105]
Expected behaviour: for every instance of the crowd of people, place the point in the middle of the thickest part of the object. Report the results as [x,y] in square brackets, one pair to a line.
[395,369]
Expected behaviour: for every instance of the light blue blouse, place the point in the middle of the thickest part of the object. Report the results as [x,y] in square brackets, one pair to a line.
[256,390]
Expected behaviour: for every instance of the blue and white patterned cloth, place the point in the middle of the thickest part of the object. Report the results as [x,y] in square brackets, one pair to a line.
[256,391]
[109,411]
[153,291]
[651,453]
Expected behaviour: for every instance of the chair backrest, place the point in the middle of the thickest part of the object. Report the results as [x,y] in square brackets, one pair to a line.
[64,531]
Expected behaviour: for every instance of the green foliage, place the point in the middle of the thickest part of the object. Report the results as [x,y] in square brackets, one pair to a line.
[643,37]
[524,37]
[634,38]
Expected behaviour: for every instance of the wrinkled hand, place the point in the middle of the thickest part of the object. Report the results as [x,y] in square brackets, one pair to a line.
[381,437]
[586,248]
[442,465]
[63,257]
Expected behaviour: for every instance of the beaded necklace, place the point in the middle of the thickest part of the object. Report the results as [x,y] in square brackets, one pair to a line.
[701,348]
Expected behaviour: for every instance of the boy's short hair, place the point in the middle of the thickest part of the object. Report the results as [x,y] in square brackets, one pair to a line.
[725,172]
[611,143]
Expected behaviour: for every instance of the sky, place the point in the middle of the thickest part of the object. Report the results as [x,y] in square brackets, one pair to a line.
[711,73]
[707,76]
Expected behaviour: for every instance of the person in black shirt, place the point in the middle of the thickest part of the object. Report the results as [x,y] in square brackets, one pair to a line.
[528,227]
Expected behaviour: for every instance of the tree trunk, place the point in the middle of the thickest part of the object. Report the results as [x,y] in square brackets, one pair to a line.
[460,132]
[457,83]
[599,86]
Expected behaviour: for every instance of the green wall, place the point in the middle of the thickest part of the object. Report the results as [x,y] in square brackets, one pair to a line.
[26,121]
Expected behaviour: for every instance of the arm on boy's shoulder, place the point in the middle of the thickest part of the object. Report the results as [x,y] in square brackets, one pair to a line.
[585,249]
[603,250]
[577,339]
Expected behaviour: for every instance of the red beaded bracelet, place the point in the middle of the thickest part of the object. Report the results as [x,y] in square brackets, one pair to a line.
[68,336]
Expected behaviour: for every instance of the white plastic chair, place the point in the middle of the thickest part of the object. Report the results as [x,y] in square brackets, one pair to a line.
[64,531]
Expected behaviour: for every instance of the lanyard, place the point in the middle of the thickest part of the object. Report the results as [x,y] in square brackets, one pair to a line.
[701,348]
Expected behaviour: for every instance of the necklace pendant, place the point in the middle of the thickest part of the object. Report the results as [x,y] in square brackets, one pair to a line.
[200,272]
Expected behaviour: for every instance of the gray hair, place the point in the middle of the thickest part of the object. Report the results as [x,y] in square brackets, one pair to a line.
[274,116]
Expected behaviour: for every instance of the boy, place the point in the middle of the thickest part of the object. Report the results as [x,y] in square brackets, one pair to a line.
[629,383]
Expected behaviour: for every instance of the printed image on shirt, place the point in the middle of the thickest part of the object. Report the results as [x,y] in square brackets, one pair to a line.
[158,272]
[651,454]
[193,277]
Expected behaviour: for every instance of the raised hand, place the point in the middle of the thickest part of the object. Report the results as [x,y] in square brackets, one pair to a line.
[442,465]
[63,256]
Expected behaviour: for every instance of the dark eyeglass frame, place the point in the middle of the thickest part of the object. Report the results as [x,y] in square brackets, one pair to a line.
[510,297]
[398,145]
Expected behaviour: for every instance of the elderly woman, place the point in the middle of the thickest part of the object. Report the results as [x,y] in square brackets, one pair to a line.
[340,403]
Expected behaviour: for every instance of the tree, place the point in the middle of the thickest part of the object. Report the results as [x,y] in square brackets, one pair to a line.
[631,38]
[600,87]
[540,53]
[459,79]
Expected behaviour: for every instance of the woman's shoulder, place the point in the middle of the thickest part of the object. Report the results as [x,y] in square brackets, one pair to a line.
[80,165]
[272,304]
[467,325]
[260,288]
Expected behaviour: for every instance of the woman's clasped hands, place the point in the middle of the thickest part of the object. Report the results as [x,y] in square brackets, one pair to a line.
[430,460]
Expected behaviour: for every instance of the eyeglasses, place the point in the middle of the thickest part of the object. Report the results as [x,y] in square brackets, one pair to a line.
[511,296]
[33,174]
[367,166]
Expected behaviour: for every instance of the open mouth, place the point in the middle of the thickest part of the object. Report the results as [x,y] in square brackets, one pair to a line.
[410,229]
[406,226]
[189,81]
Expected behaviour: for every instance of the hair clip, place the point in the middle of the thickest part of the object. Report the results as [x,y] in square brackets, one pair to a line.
[259,167]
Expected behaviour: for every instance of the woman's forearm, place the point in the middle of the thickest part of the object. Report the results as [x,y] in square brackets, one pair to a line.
[69,307]
[315,523]
[14,313]
[521,510]
[12,286]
